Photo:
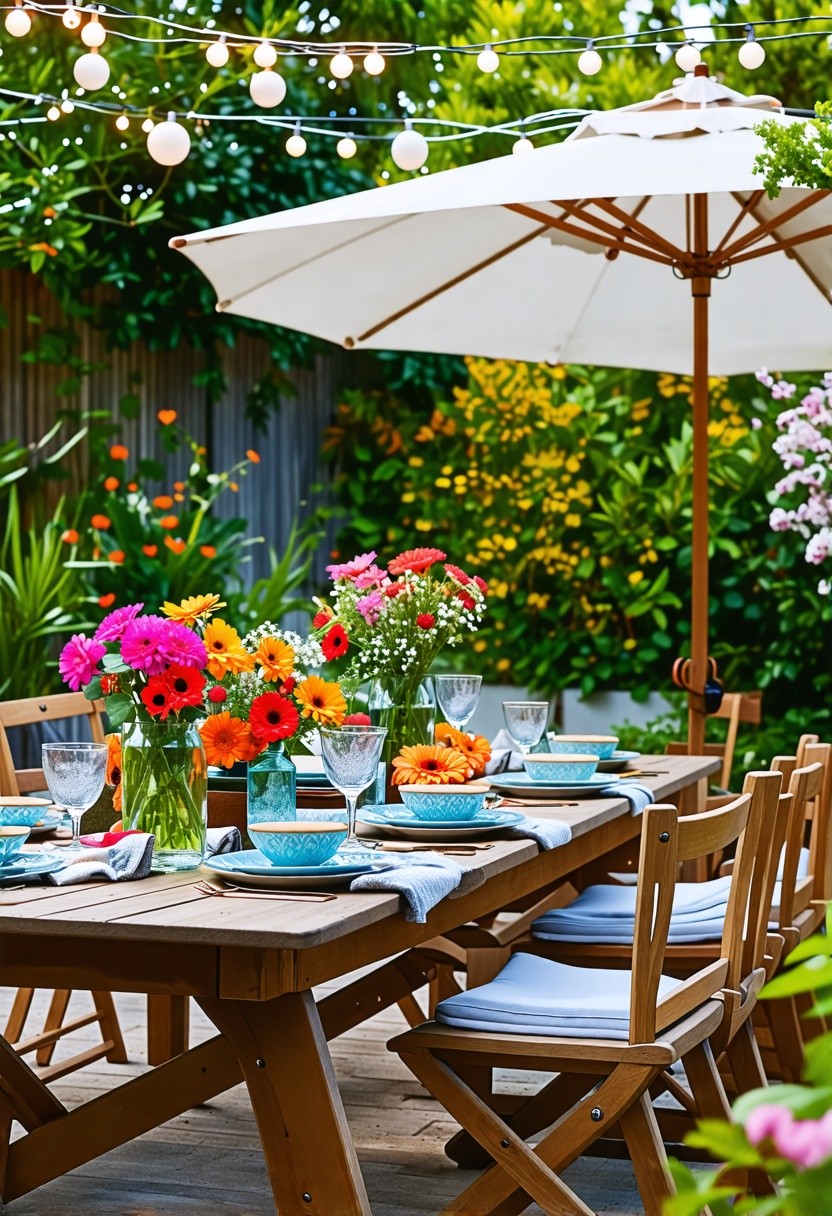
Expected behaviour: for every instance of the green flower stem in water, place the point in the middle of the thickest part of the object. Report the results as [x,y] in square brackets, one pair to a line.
[406,708]
[165,790]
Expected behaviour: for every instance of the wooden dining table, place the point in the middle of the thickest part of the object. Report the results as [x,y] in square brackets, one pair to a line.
[252,964]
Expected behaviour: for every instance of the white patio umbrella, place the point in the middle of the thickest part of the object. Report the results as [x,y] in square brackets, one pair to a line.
[570,253]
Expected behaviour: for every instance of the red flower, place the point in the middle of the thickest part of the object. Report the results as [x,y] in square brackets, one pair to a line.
[335,643]
[466,600]
[185,685]
[217,695]
[321,618]
[457,575]
[273,717]
[156,697]
[288,686]
[392,590]
[357,720]
[416,560]
[426,620]
[481,583]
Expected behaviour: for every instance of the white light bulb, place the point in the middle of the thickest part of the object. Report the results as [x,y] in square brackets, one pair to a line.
[341,65]
[296,144]
[752,54]
[267,88]
[53,113]
[93,33]
[488,60]
[217,54]
[71,18]
[122,122]
[346,147]
[374,63]
[265,56]
[67,105]
[687,57]
[169,142]
[409,149]
[521,145]
[91,71]
[148,124]
[590,62]
[18,22]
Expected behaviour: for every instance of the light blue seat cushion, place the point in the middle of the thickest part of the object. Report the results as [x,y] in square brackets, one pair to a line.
[537,996]
[606,913]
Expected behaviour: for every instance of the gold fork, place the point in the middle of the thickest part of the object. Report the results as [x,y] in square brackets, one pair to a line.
[309,897]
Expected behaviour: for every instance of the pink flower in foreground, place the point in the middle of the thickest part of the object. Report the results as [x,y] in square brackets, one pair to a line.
[142,645]
[79,660]
[370,577]
[351,570]
[115,623]
[806,1143]
[370,607]
[180,645]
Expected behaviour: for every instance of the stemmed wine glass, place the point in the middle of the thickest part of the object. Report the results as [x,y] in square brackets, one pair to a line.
[457,697]
[526,722]
[75,775]
[351,756]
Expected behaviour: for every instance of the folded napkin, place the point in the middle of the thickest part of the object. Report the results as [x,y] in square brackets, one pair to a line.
[422,881]
[223,840]
[638,796]
[504,758]
[548,833]
[128,858]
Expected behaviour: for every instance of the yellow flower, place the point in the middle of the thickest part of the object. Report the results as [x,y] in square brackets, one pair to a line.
[191,609]
[322,701]
[443,483]
[225,650]
[635,577]
[276,659]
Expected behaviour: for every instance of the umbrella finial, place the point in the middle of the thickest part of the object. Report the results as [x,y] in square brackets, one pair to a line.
[701,69]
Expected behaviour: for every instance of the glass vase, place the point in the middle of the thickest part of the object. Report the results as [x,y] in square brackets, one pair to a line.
[407,708]
[272,786]
[165,790]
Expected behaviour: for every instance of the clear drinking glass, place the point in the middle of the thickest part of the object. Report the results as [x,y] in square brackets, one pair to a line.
[457,697]
[351,757]
[526,722]
[75,775]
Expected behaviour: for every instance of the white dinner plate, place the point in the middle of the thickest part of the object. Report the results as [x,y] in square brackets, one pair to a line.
[617,761]
[396,823]
[522,785]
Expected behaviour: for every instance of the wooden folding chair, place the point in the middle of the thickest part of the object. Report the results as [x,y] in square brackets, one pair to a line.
[736,707]
[23,781]
[604,1081]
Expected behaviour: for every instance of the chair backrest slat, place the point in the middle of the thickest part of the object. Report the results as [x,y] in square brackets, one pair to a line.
[819,811]
[41,709]
[806,785]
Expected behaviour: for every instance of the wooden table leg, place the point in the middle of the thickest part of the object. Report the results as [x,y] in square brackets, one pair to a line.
[167,1028]
[309,1151]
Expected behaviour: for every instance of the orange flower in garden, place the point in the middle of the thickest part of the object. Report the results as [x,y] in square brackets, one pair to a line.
[429,764]
[232,485]
[418,561]
[189,610]
[106,601]
[178,497]
[225,650]
[132,486]
[179,485]
[163,502]
[169,521]
[475,748]
[276,659]
[119,452]
[166,417]
[176,546]
[101,522]
[227,740]
[116,556]
[208,551]
[113,772]
[253,456]
[111,483]
[322,701]
[70,537]
[150,550]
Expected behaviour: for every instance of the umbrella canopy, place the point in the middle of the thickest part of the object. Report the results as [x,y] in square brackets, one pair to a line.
[571,253]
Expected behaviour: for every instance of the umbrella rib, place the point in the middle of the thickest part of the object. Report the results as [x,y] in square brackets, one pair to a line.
[746,208]
[807,270]
[630,221]
[587,234]
[443,287]
[578,211]
[771,225]
[787,246]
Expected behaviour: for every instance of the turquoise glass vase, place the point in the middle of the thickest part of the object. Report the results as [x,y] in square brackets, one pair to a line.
[272,787]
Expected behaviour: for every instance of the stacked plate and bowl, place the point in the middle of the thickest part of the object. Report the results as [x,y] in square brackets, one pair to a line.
[20,819]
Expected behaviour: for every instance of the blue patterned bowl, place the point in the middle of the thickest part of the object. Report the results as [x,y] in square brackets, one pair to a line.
[440,802]
[292,843]
[601,746]
[17,812]
[11,842]
[560,768]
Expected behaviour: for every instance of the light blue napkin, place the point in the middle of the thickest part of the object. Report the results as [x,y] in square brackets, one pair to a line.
[128,858]
[638,796]
[548,833]
[222,840]
[422,880]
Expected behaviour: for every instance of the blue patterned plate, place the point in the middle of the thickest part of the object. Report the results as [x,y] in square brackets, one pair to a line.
[522,785]
[397,821]
[28,865]
[252,861]
[617,761]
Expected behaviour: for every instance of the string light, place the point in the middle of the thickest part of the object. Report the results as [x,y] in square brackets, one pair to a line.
[67,105]
[217,53]
[169,142]
[751,54]
[267,88]
[687,57]
[410,148]
[522,145]
[341,65]
[93,34]
[148,125]
[346,147]
[296,144]
[71,18]
[91,71]
[265,56]
[18,22]
[374,63]
[123,122]
[53,113]
[488,60]
[590,62]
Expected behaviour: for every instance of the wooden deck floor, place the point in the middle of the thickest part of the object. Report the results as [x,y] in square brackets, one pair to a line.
[209,1160]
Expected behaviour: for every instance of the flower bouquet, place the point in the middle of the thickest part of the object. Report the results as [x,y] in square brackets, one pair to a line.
[396,619]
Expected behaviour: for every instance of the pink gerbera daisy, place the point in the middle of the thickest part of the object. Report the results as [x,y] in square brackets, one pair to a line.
[142,645]
[351,570]
[370,577]
[114,624]
[79,660]
[459,576]
[181,646]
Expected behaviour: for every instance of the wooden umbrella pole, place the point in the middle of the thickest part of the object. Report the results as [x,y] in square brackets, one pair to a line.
[701,290]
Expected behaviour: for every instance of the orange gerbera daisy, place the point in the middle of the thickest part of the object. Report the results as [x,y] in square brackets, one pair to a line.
[322,701]
[225,650]
[429,764]
[276,659]
[113,773]
[189,610]
[227,740]
[475,748]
